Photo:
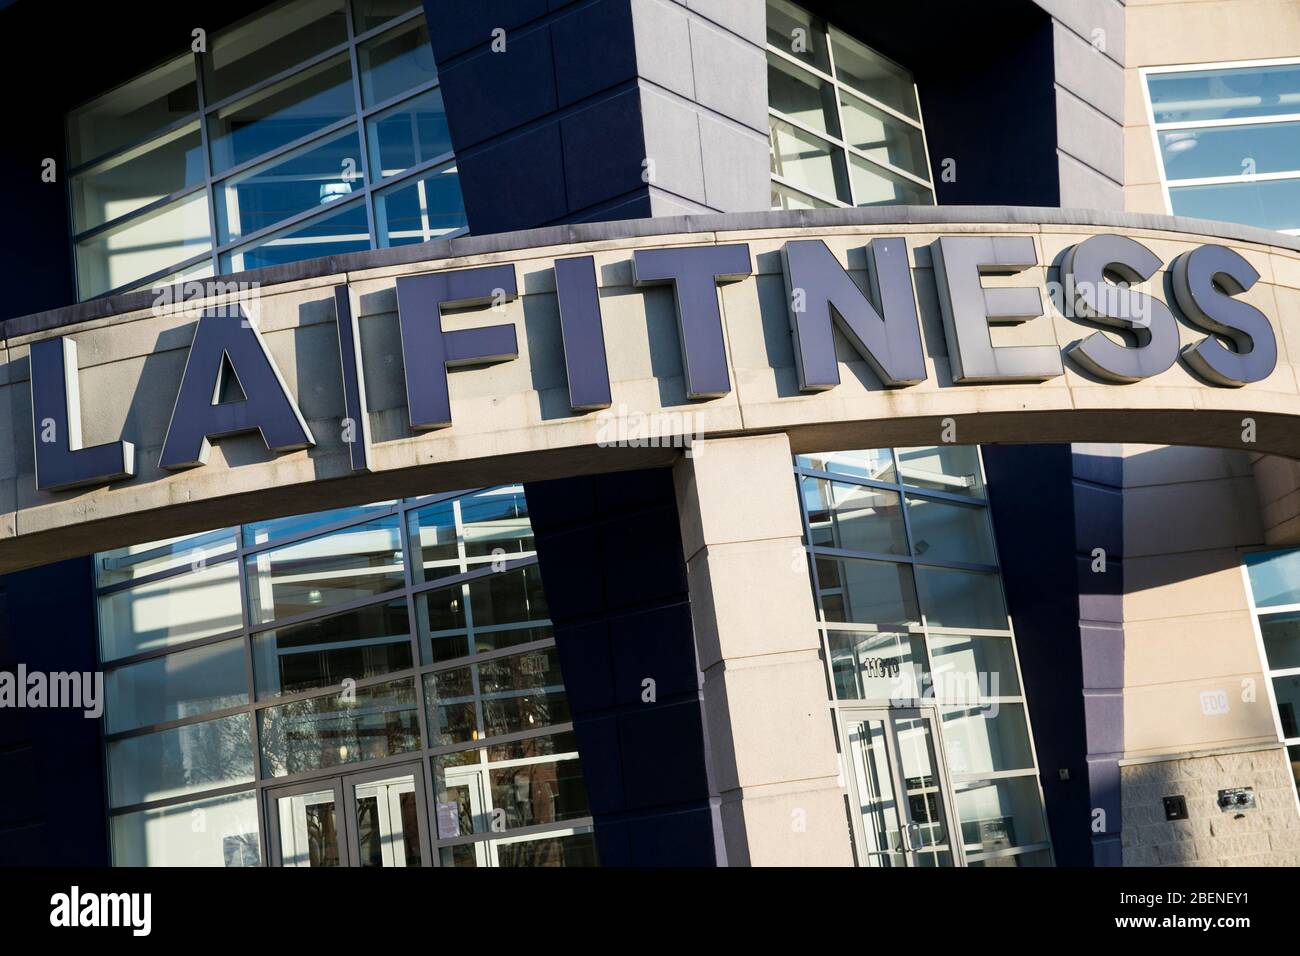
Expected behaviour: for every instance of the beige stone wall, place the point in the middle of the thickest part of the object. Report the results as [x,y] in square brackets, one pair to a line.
[1277,481]
[1267,836]
[513,419]
[1173,32]
[1188,630]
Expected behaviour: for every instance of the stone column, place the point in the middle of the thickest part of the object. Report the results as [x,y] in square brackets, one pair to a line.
[769,732]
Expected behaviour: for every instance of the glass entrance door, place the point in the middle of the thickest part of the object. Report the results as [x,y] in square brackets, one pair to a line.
[375,818]
[898,788]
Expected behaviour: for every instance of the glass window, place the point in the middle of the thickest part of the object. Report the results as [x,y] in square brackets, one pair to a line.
[315,175]
[884,665]
[366,724]
[276,40]
[427,208]
[1000,814]
[981,740]
[1210,170]
[1222,93]
[181,684]
[505,607]
[1274,577]
[395,62]
[408,134]
[360,561]
[474,795]
[794,30]
[951,468]
[952,598]
[345,230]
[1036,858]
[809,162]
[577,849]
[949,531]
[278,529]
[217,831]
[183,760]
[304,103]
[1230,150]
[138,560]
[355,645]
[132,112]
[1281,639]
[966,667]
[172,611]
[136,177]
[801,95]
[503,695]
[369,14]
[856,591]
[854,517]
[844,119]
[143,245]
[281,109]
[1287,691]
[874,463]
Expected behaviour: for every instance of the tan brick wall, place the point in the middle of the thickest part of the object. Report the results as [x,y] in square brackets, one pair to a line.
[1266,836]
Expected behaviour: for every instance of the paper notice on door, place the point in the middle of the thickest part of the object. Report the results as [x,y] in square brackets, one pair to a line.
[448,821]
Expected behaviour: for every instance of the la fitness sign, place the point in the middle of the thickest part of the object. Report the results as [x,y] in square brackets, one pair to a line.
[1097,276]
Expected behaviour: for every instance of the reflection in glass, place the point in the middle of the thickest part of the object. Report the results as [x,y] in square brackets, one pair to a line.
[1286,690]
[413,132]
[880,811]
[369,14]
[876,186]
[277,39]
[1281,639]
[388,825]
[504,695]
[171,611]
[854,591]
[134,178]
[1274,577]
[801,95]
[794,30]
[138,560]
[506,607]
[183,684]
[186,759]
[871,74]
[342,728]
[951,468]
[981,740]
[395,62]
[876,666]
[306,102]
[951,598]
[278,529]
[309,829]
[874,463]
[883,137]
[808,161]
[1225,93]
[1267,203]
[315,175]
[133,111]
[347,229]
[999,814]
[141,246]
[360,561]
[854,517]
[429,207]
[1221,150]
[948,531]
[1036,858]
[968,668]
[167,836]
[355,645]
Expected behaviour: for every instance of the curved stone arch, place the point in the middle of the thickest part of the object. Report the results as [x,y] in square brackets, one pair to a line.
[513,421]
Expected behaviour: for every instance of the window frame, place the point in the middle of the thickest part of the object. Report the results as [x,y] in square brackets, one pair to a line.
[409,592]
[839,88]
[211,183]
[1166,184]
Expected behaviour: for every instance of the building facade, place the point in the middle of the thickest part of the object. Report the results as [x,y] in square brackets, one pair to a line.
[654,432]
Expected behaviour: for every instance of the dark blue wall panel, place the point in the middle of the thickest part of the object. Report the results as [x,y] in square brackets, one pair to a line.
[611,562]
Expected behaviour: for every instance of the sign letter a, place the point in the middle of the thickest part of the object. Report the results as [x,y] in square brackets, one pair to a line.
[221,340]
